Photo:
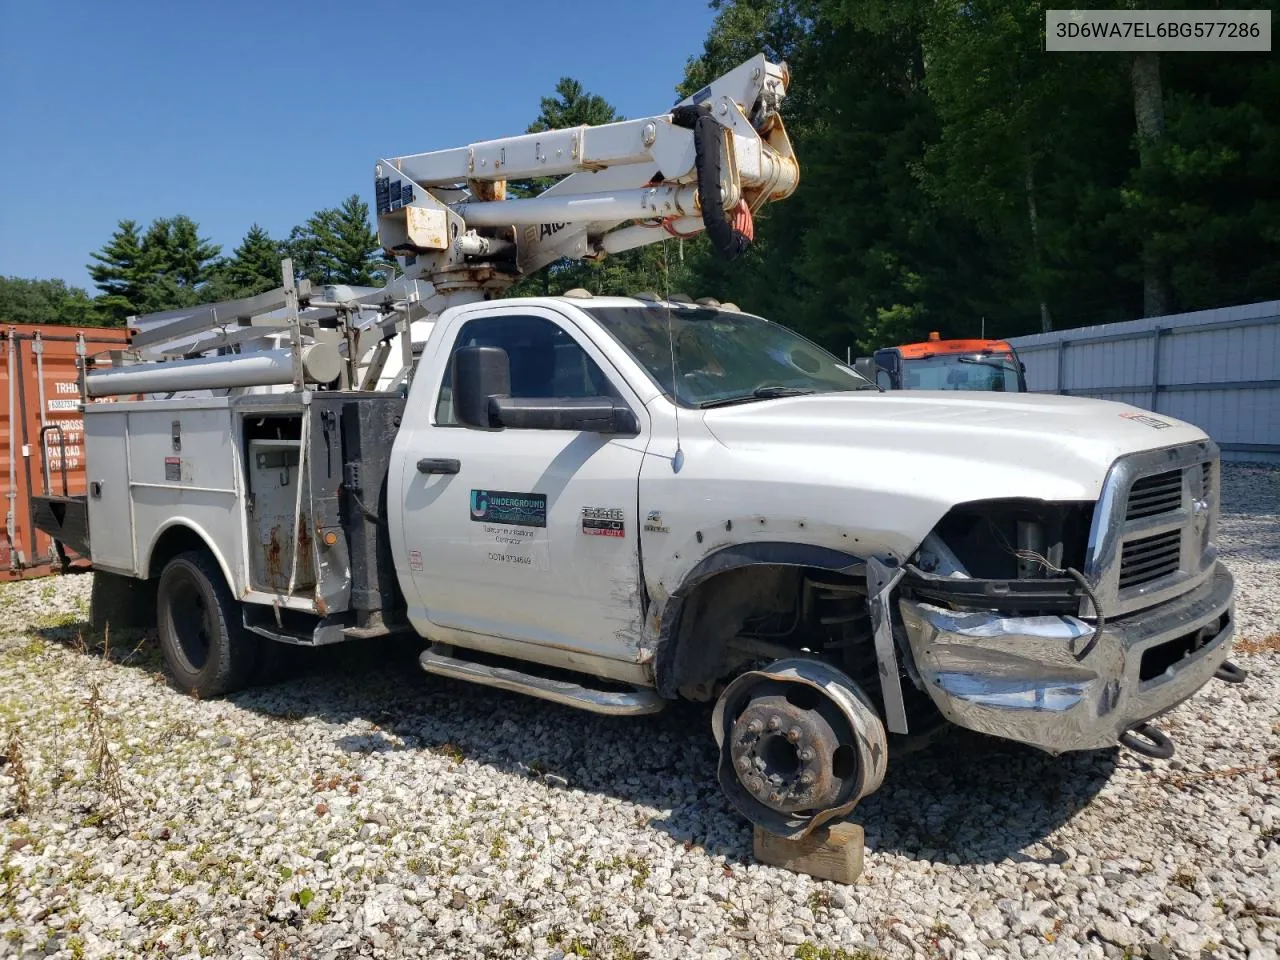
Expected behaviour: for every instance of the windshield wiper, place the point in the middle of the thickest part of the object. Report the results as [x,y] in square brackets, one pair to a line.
[765,392]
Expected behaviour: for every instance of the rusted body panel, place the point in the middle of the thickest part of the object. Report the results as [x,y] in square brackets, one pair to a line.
[42,430]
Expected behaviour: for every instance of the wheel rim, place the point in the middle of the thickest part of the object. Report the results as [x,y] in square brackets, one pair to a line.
[190,622]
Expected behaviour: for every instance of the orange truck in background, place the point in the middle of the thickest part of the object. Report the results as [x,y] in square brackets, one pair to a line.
[938,364]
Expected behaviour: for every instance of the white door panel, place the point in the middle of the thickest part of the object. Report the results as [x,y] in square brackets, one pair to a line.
[535,538]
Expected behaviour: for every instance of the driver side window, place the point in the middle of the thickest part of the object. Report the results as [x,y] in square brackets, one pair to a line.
[546,362]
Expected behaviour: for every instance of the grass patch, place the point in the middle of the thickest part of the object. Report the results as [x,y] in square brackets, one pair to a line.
[811,951]
[639,868]
[62,620]
[819,900]
[450,750]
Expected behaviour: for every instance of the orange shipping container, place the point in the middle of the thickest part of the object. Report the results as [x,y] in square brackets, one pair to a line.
[42,430]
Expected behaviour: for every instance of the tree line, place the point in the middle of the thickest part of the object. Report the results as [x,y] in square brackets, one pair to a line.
[954,177]
[953,174]
[169,265]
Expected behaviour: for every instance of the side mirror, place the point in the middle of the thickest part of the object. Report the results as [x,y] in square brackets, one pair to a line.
[478,374]
[865,367]
[883,379]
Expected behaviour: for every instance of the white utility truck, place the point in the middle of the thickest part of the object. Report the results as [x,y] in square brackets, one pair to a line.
[614,502]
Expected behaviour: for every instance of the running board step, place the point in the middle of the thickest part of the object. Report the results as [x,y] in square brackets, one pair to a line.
[611,702]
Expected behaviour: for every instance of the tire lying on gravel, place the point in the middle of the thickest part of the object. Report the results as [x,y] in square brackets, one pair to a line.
[205,645]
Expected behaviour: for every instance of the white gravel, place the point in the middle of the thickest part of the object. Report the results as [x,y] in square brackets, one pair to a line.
[363,809]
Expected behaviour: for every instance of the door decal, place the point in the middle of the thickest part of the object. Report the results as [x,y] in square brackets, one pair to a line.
[502,506]
[513,528]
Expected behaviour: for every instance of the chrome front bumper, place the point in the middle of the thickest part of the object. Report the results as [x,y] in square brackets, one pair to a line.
[1017,677]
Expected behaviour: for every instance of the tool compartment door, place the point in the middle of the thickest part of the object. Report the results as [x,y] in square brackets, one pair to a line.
[106,437]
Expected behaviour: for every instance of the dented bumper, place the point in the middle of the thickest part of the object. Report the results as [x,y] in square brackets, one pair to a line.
[1018,677]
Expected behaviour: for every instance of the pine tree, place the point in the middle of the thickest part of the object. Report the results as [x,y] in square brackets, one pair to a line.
[121,272]
[336,245]
[192,258]
[352,243]
[303,248]
[254,266]
[177,263]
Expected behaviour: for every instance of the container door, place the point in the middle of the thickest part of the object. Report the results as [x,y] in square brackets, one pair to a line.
[39,389]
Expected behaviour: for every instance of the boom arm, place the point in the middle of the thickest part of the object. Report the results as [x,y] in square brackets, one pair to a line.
[446,217]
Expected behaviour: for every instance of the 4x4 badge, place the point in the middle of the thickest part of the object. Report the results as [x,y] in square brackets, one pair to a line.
[653,523]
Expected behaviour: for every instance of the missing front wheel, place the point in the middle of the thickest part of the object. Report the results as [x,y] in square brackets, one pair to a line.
[800,744]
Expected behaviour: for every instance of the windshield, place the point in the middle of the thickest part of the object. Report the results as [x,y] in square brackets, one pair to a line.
[723,357]
[979,371]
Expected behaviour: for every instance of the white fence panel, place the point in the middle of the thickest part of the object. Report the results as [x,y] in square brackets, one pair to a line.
[1218,369]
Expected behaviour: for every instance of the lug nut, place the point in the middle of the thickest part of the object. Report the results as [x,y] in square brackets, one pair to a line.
[793,734]
[754,784]
[806,778]
[755,726]
[744,764]
[775,723]
[806,754]
[775,797]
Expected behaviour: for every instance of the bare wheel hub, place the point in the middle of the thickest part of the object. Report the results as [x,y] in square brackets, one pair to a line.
[783,754]
[800,743]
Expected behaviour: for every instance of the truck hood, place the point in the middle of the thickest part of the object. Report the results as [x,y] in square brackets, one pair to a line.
[981,445]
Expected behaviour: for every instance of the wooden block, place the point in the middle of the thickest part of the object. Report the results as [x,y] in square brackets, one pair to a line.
[829,853]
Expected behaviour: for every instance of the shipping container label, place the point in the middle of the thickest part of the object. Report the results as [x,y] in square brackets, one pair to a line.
[69,404]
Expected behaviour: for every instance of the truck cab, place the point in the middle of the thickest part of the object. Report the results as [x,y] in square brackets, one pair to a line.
[938,364]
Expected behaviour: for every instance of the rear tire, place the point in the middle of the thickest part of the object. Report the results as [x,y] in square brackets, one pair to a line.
[205,645]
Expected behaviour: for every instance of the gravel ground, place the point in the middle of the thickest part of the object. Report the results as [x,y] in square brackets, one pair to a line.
[361,808]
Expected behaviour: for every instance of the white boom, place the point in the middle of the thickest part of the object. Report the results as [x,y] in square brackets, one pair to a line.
[706,166]
[623,180]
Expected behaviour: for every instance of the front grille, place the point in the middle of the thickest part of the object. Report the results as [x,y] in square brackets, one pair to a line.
[1154,495]
[1150,558]
[1152,536]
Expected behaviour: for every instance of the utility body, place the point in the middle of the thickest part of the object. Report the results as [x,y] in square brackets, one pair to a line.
[614,502]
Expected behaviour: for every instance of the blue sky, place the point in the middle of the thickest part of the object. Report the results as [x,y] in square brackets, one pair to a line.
[233,112]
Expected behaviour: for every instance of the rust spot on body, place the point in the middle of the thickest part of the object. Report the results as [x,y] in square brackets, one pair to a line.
[271,554]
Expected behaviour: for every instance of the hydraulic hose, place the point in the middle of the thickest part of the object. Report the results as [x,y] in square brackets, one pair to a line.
[708,144]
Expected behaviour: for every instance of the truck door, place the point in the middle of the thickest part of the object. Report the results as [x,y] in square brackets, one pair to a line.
[534,538]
